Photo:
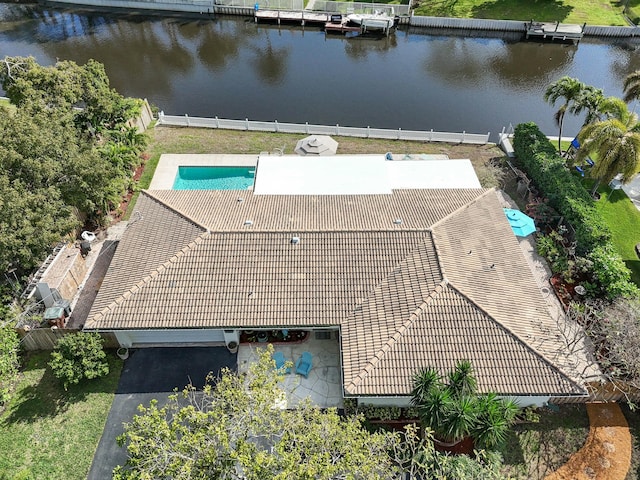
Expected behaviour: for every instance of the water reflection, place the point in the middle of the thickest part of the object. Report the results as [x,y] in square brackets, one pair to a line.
[231,67]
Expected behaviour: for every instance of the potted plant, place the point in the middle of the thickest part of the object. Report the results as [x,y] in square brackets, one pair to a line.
[460,418]
[123,353]
[232,346]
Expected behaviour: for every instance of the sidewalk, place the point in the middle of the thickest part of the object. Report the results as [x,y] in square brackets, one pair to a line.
[632,189]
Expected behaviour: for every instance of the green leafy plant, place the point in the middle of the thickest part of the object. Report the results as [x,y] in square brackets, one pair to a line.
[598,259]
[9,344]
[79,356]
[453,410]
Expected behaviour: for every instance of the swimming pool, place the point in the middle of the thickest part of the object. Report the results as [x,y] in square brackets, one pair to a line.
[214,178]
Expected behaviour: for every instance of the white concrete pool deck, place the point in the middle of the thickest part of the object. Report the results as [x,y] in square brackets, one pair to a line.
[168,164]
[328,175]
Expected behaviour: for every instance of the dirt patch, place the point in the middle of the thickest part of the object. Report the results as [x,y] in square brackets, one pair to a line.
[606,455]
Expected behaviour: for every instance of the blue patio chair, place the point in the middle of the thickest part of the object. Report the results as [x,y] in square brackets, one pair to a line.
[278,357]
[304,364]
[590,162]
[580,170]
[575,143]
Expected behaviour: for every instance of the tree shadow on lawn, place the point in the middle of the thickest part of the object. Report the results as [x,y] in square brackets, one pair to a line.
[542,11]
[537,449]
[48,398]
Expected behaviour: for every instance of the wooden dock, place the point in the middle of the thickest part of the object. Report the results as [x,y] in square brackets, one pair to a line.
[302,17]
[555,31]
[342,27]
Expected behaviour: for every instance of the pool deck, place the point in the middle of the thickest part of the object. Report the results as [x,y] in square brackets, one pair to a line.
[167,168]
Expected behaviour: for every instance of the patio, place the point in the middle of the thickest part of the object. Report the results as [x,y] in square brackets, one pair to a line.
[324,384]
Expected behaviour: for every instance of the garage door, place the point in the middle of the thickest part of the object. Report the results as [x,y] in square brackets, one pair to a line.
[159,337]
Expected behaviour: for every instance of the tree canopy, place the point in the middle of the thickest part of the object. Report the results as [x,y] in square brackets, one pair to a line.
[66,154]
[238,429]
[235,429]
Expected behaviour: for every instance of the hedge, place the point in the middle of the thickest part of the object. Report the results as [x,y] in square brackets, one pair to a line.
[567,195]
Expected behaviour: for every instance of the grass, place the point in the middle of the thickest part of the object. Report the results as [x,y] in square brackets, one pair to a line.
[593,12]
[623,219]
[205,140]
[47,432]
[534,450]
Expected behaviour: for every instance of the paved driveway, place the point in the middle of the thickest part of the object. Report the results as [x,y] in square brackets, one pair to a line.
[152,373]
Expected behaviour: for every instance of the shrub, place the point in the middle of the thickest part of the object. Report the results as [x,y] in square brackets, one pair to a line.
[77,357]
[611,273]
[566,194]
[9,344]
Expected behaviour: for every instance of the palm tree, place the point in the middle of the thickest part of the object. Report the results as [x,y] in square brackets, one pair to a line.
[568,89]
[590,100]
[632,87]
[615,142]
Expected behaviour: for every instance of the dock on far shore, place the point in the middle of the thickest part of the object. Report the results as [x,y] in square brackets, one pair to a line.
[555,31]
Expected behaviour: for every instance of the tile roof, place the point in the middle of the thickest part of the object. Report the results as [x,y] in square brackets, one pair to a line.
[448,282]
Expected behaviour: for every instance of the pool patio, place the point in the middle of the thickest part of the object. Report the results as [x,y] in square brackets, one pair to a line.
[324,384]
[169,163]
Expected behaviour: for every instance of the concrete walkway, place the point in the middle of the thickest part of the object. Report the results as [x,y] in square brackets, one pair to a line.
[606,455]
[632,189]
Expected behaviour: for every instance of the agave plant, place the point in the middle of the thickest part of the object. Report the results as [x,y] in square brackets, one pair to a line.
[424,381]
[454,410]
[461,380]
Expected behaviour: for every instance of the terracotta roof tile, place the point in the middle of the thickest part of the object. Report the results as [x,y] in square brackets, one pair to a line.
[447,282]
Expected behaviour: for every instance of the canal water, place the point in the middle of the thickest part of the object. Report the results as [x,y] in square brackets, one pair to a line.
[232,68]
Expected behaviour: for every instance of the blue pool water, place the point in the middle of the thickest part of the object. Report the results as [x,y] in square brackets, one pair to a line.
[214,178]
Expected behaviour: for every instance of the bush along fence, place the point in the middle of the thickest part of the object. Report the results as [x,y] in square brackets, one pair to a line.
[565,193]
[307,129]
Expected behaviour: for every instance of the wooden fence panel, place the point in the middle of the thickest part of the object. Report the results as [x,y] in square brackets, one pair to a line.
[46,338]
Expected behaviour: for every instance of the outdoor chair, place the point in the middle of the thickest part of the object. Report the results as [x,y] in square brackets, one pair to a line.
[278,357]
[304,363]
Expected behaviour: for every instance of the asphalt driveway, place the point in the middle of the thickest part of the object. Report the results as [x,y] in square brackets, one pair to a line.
[151,373]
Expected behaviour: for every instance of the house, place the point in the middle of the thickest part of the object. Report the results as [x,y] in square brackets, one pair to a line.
[410,278]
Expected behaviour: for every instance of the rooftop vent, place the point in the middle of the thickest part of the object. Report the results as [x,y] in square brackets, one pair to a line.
[398,221]
[240,199]
[248,222]
[295,240]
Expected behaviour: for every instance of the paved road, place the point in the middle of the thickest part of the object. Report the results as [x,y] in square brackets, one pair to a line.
[152,373]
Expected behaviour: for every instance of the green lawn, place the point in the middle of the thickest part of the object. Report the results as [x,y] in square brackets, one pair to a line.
[47,433]
[623,219]
[593,12]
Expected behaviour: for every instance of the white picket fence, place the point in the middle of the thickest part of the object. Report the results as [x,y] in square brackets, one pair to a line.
[308,129]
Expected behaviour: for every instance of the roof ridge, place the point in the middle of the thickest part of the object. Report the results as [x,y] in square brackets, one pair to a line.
[465,206]
[511,333]
[174,209]
[154,273]
[398,334]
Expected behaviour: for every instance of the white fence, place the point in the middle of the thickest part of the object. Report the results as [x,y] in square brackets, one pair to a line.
[290,5]
[360,7]
[513,26]
[307,129]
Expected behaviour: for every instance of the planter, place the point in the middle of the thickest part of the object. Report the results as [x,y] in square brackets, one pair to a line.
[462,447]
[123,353]
[232,347]
[262,337]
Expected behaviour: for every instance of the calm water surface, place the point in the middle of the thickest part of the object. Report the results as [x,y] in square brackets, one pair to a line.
[232,68]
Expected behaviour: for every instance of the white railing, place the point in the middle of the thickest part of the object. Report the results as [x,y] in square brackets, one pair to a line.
[307,129]
[360,7]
